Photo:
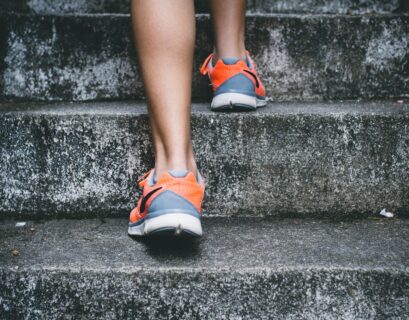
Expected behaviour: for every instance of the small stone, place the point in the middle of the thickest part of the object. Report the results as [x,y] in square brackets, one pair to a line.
[32,229]
[400,101]
[386,214]
[15,253]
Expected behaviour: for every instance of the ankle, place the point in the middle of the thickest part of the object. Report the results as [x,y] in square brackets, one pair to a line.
[184,165]
[235,53]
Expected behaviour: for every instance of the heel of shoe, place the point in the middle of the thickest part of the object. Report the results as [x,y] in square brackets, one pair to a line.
[234,101]
[176,223]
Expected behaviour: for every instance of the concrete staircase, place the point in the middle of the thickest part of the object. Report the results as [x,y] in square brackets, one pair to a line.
[242,269]
[294,190]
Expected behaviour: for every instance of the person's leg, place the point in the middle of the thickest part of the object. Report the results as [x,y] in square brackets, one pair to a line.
[164,34]
[172,193]
[236,85]
[228,18]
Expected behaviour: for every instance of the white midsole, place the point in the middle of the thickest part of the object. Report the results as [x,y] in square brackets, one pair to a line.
[179,221]
[231,98]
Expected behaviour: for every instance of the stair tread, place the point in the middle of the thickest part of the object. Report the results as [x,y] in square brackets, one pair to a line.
[206,16]
[248,245]
[115,108]
[315,159]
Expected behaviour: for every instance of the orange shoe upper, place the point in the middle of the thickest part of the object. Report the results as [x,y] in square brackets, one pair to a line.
[221,72]
[186,187]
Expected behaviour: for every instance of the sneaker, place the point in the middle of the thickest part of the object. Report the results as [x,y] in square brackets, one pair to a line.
[169,206]
[236,85]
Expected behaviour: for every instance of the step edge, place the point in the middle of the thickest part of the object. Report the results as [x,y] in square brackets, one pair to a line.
[273,109]
[404,270]
[206,16]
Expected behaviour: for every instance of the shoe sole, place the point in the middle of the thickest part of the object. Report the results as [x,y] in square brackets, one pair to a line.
[236,102]
[169,224]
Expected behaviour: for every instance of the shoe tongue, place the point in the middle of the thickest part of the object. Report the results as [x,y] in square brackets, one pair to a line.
[178,173]
[230,61]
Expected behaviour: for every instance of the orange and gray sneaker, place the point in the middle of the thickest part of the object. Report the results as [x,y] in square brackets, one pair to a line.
[236,84]
[169,206]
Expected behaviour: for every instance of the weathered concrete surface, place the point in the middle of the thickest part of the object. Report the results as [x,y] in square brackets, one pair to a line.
[242,269]
[288,159]
[319,6]
[300,57]
[254,6]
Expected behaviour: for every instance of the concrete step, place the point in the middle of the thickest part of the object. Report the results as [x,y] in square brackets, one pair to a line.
[300,57]
[241,269]
[288,159]
[254,6]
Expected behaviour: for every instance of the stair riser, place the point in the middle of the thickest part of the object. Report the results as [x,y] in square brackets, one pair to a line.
[299,57]
[264,165]
[259,6]
[204,295]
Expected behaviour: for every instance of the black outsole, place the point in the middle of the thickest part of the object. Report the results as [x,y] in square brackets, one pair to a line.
[234,108]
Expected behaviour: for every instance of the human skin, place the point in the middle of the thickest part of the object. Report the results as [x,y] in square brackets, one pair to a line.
[164,32]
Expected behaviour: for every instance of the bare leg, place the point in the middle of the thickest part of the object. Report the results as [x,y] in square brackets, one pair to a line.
[164,34]
[228,17]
